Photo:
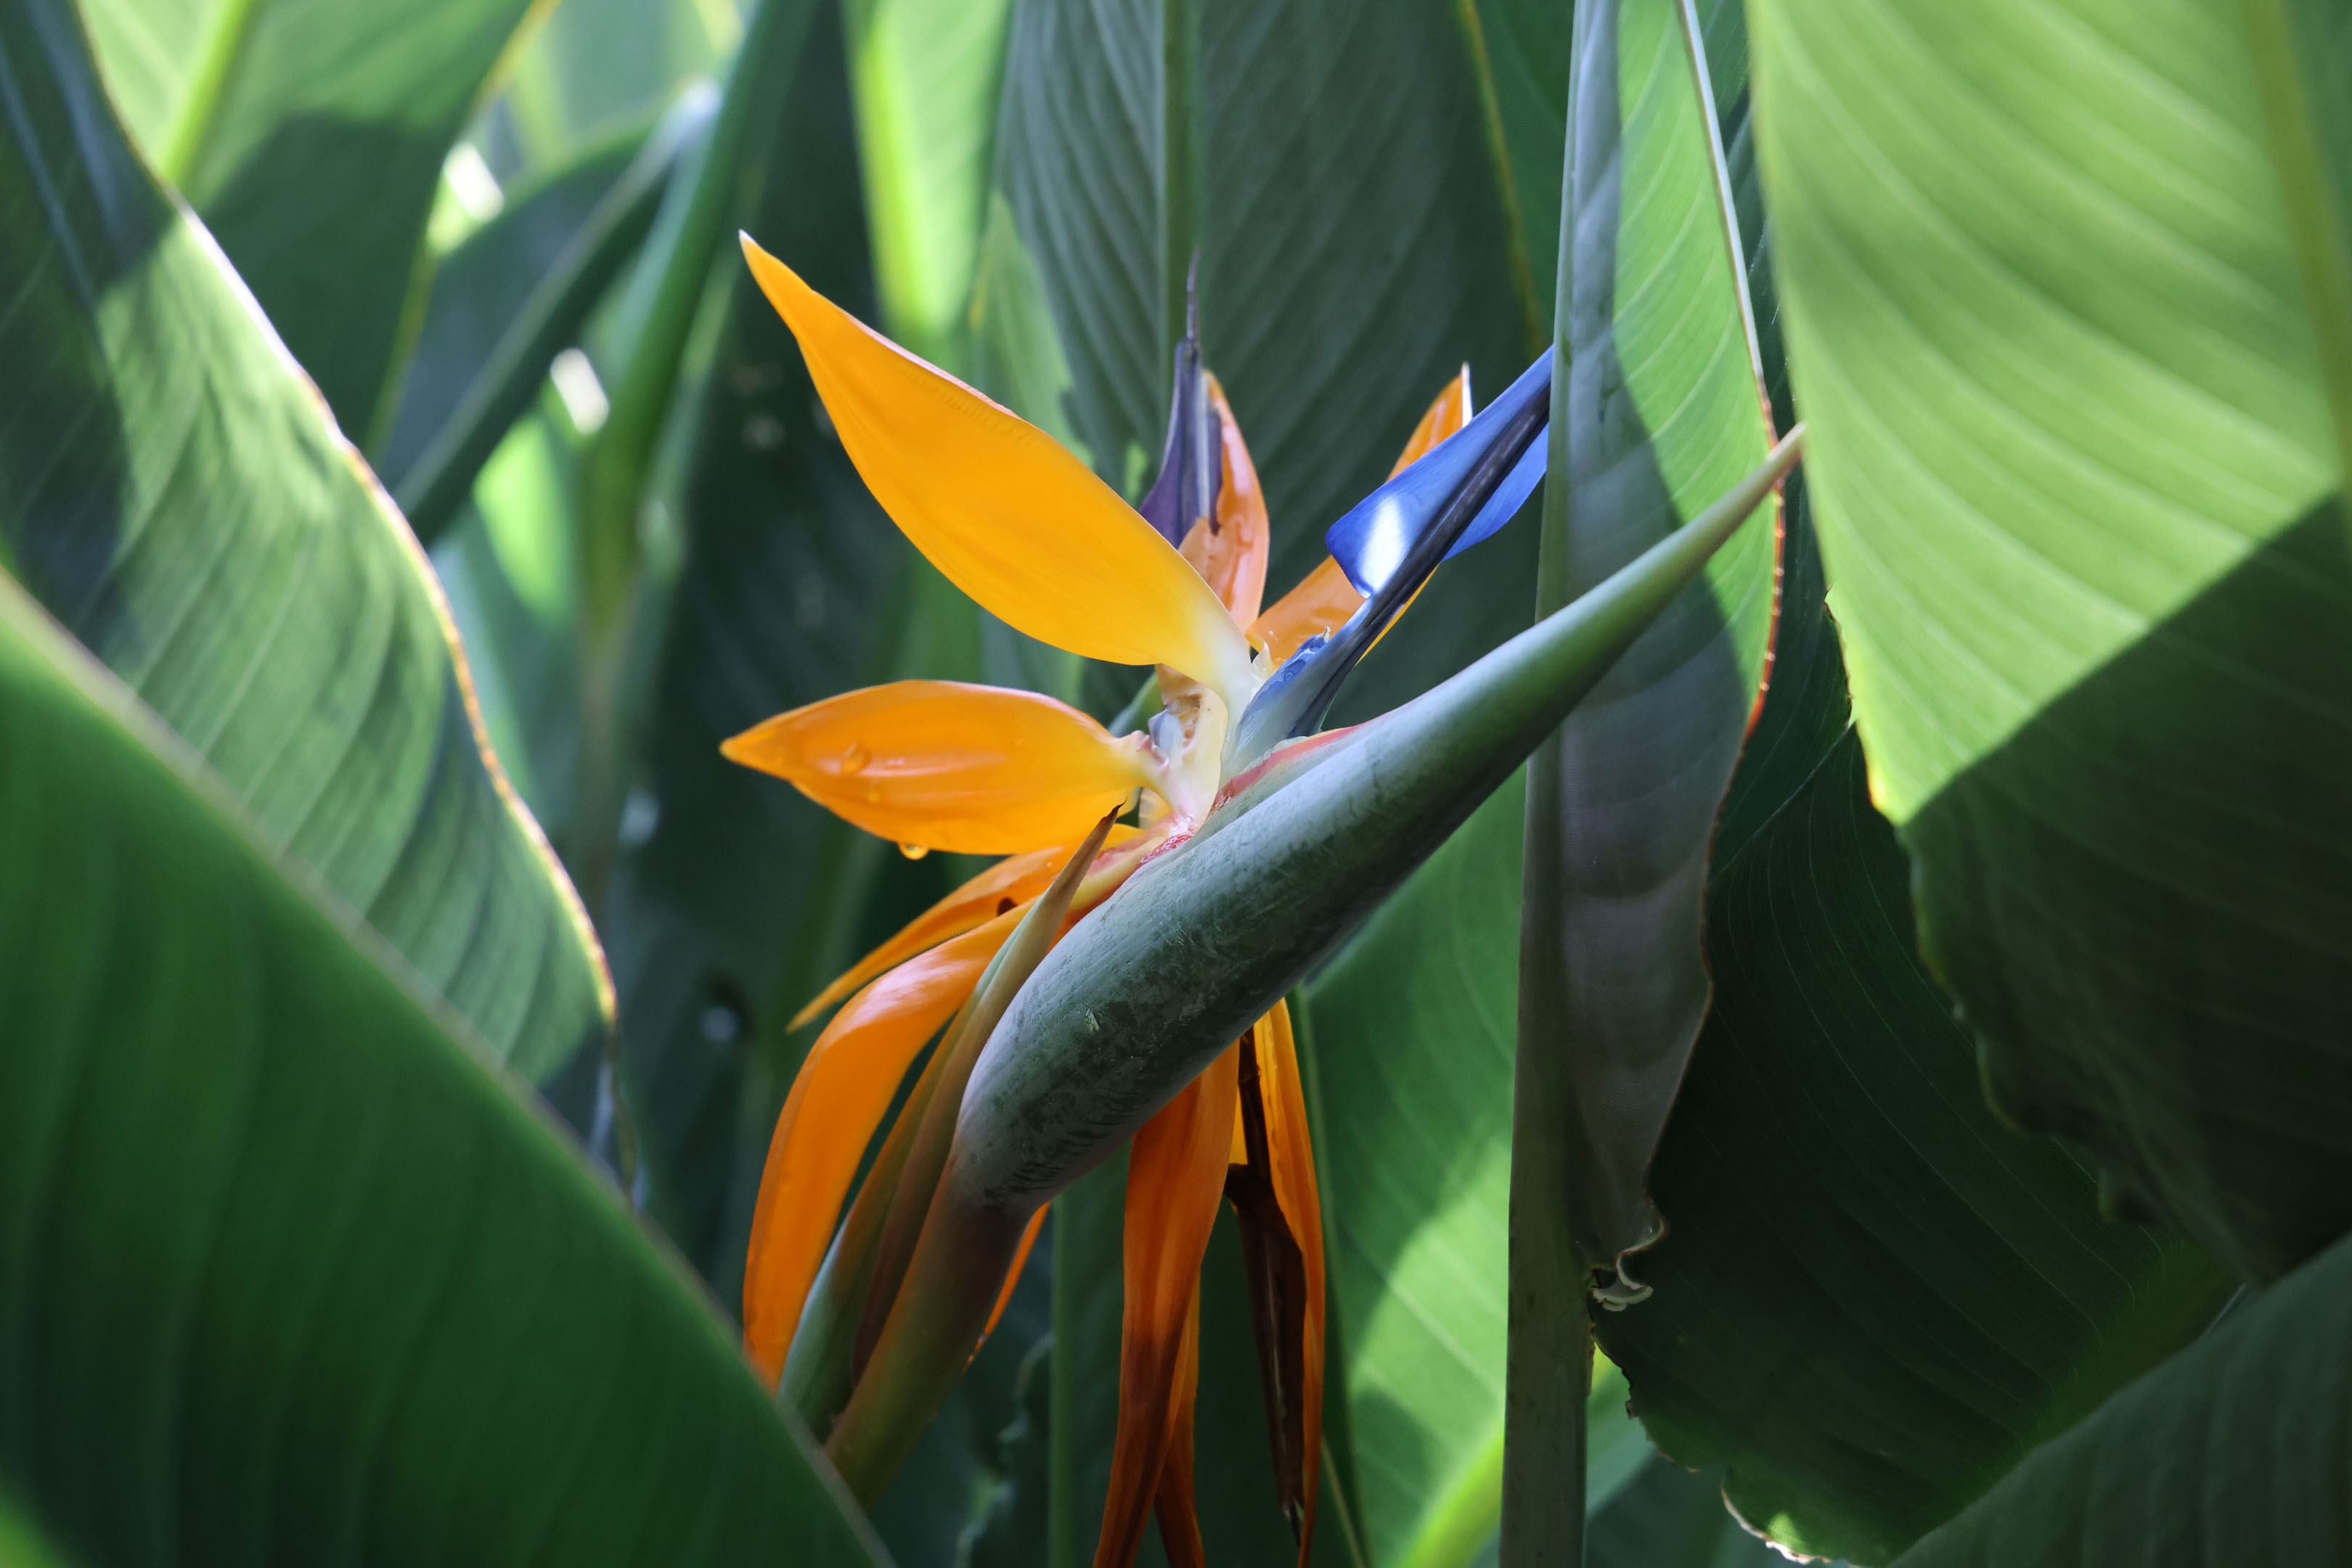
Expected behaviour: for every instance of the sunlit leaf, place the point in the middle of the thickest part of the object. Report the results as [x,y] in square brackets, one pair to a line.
[2075,485]
[174,494]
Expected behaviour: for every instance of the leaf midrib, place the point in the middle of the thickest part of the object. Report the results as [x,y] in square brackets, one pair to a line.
[227,43]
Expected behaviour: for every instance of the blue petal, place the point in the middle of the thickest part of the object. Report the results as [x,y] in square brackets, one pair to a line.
[1378,532]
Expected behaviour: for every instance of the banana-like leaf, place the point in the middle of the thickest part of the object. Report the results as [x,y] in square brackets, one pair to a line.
[1412,1024]
[2232,1455]
[174,492]
[1523,46]
[2076,482]
[311,139]
[1662,411]
[287,1274]
[1336,167]
[1874,1299]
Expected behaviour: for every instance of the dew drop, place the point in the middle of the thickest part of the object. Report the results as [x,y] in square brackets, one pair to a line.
[854,761]
[914,851]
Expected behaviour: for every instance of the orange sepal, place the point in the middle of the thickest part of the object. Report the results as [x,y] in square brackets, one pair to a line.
[1324,598]
[1321,603]
[838,1098]
[1001,508]
[1228,548]
[1175,1175]
[1443,417]
[1008,885]
[1172,1504]
[978,769]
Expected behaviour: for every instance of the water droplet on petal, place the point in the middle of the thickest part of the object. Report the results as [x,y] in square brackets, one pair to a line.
[914,851]
[854,760]
[873,791]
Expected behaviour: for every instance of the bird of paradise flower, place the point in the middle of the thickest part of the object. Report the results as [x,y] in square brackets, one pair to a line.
[1028,531]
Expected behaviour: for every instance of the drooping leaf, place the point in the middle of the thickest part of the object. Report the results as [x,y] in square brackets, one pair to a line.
[310,141]
[2232,1452]
[1874,1298]
[1661,411]
[2074,484]
[286,1272]
[173,493]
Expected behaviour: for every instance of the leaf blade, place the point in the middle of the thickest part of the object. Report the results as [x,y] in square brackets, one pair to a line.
[174,492]
[258,1191]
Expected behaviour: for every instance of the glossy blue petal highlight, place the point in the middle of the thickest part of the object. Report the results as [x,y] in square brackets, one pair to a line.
[1373,541]
[1483,485]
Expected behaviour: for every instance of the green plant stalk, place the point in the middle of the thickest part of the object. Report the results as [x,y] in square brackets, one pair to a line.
[437,484]
[620,459]
[1547,1359]
[1202,942]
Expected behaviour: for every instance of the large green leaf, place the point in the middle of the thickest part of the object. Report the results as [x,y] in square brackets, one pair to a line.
[2234,1453]
[1413,1025]
[1527,45]
[2073,462]
[1660,413]
[1334,165]
[172,491]
[287,1274]
[1873,1298]
[311,138]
